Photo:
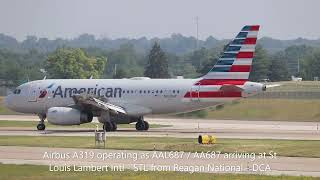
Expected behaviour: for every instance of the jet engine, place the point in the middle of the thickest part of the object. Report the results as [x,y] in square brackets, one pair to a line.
[68,116]
[253,88]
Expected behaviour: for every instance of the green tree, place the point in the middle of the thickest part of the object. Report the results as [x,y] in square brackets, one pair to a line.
[311,65]
[121,73]
[157,65]
[208,65]
[14,73]
[127,58]
[198,57]
[73,63]
[260,65]
[210,59]
[278,68]
[295,54]
[16,68]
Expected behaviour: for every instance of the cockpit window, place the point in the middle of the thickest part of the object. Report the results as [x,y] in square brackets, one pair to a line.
[17,91]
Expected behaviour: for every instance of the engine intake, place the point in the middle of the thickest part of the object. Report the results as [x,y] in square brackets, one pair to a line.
[68,116]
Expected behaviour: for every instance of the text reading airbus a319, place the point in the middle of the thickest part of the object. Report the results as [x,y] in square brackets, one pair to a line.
[123,101]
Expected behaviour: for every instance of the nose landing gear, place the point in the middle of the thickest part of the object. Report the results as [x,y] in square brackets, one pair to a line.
[41,126]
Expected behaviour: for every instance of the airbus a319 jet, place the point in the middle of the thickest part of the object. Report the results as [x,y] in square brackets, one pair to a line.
[123,101]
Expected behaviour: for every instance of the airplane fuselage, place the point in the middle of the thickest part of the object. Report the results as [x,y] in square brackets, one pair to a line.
[147,96]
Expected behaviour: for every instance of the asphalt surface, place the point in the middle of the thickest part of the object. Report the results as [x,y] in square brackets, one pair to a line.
[185,128]
[118,160]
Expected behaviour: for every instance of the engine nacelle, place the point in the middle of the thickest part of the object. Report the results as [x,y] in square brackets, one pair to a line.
[68,116]
[253,88]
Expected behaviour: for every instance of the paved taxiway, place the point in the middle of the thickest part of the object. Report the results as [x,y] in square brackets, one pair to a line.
[187,128]
[278,165]
[179,128]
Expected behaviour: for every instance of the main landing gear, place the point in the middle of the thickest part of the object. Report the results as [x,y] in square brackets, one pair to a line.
[110,126]
[142,125]
[41,126]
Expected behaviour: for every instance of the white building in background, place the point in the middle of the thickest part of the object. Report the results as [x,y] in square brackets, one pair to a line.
[297,79]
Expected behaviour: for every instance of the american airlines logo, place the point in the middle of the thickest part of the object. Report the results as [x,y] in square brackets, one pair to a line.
[69,92]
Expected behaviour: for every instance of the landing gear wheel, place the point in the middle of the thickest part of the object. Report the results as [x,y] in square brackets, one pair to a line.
[146,125]
[114,126]
[41,127]
[108,126]
[140,126]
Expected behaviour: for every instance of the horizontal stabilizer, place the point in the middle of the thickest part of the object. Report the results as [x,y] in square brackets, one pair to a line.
[272,85]
[230,88]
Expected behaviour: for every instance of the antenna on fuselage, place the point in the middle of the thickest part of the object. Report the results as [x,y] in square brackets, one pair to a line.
[44,78]
[91,77]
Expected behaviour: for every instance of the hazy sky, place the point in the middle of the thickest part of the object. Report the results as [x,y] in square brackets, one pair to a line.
[283,19]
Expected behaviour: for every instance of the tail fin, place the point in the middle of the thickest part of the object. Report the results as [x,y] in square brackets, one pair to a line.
[236,61]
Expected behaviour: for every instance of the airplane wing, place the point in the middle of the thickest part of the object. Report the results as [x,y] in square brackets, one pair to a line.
[84,100]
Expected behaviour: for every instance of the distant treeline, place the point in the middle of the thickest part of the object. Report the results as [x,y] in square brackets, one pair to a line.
[274,59]
[177,43]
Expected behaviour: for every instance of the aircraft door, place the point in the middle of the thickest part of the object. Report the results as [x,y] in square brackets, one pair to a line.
[33,92]
[195,93]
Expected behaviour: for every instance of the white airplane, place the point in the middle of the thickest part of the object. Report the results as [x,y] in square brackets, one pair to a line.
[123,101]
[296,79]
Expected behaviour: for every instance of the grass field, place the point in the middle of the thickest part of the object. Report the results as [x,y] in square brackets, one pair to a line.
[269,109]
[33,124]
[9,171]
[294,148]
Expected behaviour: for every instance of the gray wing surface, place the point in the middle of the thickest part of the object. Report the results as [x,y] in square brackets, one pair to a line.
[85,101]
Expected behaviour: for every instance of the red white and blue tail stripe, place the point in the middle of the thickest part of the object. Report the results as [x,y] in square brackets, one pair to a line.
[228,76]
[236,61]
